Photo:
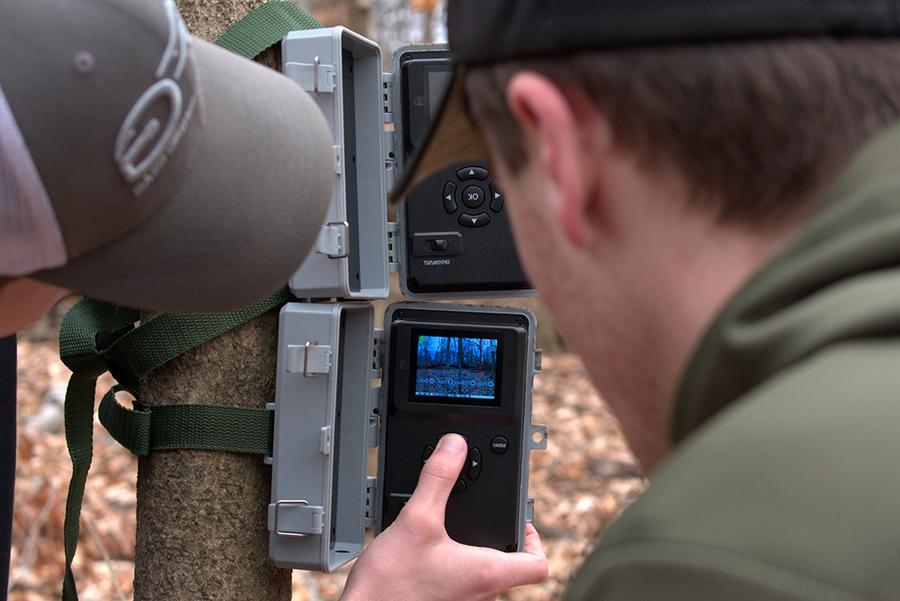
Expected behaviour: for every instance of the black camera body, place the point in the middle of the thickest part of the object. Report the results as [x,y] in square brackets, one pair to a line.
[457,234]
[466,371]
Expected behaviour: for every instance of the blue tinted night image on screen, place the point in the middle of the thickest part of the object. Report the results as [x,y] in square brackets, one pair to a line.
[456,367]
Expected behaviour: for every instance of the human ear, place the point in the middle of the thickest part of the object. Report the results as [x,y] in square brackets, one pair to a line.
[557,144]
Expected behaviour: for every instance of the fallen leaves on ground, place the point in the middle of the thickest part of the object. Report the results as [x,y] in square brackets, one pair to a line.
[583,479]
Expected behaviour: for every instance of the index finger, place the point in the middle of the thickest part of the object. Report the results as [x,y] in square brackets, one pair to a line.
[438,477]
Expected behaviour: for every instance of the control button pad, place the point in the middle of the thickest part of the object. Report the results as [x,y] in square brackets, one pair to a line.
[474,465]
[472,195]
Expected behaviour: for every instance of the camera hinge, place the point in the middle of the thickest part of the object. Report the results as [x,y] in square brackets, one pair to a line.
[374,393]
[390,133]
[371,491]
[325,440]
[372,432]
[387,84]
[309,359]
[313,77]
[338,159]
[377,353]
[393,232]
[269,459]
[334,240]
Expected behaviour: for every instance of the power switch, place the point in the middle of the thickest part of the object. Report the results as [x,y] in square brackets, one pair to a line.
[436,244]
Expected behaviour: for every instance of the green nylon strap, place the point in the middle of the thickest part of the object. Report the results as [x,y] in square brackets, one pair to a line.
[87,325]
[95,337]
[208,427]
[166,336]
[265,26]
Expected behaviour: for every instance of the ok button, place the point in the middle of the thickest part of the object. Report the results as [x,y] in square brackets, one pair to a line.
[473,197]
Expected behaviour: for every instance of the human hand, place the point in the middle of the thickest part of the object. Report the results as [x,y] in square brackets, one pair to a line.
[415,559]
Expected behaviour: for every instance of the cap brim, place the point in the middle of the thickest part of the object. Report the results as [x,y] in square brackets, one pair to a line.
[247,213]
[453,137]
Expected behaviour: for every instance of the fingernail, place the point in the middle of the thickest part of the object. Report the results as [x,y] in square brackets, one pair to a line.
[452,442]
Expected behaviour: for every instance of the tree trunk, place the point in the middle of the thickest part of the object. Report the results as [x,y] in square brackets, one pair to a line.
[201,515]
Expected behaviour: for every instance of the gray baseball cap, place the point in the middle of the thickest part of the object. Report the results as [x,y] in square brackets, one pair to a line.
[144,166]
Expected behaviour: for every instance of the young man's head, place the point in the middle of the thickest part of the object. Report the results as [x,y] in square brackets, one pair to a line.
[646,185]
[647,181]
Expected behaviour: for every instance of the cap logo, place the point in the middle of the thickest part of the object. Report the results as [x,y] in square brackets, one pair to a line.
[144,144]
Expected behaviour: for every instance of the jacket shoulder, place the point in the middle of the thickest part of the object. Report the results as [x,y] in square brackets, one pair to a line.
[790,493]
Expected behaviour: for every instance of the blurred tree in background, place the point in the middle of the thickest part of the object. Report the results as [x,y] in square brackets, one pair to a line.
[391,23]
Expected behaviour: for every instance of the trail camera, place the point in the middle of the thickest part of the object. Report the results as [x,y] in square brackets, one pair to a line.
[452,236]
[343,388]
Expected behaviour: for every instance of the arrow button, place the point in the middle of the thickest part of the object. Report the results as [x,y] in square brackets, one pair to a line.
[496,198]
[450,198]
[479,220]
[426,453]
[467,173]
[474,464]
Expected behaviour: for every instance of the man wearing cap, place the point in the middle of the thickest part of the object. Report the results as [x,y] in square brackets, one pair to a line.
[146,167]
[707,195]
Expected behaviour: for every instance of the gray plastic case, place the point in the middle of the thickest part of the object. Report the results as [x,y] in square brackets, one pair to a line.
[314,59]
[319,510]
[328,398]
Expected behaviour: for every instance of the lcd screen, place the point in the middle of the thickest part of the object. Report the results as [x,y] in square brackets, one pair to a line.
[456,369]
[438,80]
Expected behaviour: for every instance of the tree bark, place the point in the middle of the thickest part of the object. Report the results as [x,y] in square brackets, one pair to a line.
[201,515]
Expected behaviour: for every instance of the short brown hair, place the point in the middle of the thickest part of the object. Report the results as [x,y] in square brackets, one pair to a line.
[755,124]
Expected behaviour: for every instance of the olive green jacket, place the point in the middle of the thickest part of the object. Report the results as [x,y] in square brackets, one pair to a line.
[785,482]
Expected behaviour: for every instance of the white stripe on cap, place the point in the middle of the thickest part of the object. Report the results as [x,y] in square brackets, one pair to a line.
[30,239]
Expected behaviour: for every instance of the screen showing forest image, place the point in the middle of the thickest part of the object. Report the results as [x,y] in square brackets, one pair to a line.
[456,367]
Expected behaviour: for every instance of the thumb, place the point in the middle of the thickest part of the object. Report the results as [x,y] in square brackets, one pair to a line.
[439,476]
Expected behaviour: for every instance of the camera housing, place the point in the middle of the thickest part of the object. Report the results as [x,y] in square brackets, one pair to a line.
[343,388]
[452,237]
